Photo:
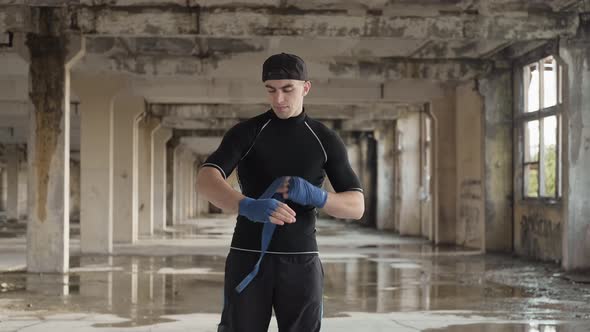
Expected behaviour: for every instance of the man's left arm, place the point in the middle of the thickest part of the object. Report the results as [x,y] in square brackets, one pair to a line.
[346,205]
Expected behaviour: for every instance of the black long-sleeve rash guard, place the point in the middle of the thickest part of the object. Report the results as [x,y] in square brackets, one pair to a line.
[266,147]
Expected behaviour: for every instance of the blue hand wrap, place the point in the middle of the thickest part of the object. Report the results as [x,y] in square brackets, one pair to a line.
[258,210]
[267,232]
[305,193]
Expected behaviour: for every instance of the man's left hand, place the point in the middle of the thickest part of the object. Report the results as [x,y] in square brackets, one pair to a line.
[302,192]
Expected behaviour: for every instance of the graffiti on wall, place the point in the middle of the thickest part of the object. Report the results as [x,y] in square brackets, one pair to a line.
[470,206]
[540,237]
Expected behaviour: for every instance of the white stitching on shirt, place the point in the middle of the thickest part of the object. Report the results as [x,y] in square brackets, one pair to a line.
[316,137]
[355,189]
[278,252]
[255,139]
[216,166]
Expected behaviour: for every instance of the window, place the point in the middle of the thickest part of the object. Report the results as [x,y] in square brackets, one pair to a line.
[540,125]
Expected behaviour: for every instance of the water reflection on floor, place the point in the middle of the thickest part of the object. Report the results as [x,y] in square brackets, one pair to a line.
[365,272]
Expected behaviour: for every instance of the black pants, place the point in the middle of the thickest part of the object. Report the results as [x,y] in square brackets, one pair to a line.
[292,284]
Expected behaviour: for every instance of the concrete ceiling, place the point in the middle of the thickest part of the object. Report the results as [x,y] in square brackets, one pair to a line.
[210,51]
[338,37]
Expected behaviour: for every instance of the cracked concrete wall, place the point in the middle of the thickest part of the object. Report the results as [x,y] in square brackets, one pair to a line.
[470,191]
[576,236]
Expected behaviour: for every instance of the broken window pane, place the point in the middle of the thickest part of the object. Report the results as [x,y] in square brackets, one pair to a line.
[549,156]
[532,88]
[531,180]
[531,139]
[549,82]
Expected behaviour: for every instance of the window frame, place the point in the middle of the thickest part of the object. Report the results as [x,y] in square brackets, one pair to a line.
[523,117]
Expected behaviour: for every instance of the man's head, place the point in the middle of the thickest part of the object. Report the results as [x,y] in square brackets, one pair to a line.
[285,78]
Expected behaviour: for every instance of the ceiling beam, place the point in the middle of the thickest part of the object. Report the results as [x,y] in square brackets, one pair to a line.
[247,66]
[319,47]
[270,21]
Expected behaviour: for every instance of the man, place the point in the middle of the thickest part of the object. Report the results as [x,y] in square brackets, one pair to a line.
[284,146]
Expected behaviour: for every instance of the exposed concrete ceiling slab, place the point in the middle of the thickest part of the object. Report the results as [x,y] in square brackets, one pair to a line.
[225,22]
[202,47]
[240,67]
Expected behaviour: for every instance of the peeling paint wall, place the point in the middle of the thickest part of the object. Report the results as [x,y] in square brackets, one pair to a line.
[470,191]
[496,90]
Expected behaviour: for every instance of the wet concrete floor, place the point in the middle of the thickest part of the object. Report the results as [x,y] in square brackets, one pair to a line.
[379,282]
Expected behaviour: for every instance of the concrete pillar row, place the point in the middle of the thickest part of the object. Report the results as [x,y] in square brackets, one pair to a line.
[160,137]
[128,108]
[12,169]
[145,185]
[50,52]
[96,94]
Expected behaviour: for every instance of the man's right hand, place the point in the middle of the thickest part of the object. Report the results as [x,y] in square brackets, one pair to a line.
[266,210]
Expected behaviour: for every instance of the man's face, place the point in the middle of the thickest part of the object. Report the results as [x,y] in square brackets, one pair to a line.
[286,96]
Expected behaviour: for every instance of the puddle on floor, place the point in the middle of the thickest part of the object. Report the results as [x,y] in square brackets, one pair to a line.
[531,327]
[403,277]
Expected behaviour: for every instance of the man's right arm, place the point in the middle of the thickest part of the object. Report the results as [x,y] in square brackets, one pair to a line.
[212,185]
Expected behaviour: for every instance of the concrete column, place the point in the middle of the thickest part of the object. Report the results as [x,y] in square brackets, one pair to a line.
[12,169]
[145,185]
[160,137]
[576,156]
[191,183]
[75,188]
[368,175]
[176,190]
[170,179]
[385,170]
[3,189]
[470,200]
[51,53]
[185,185]
[96,93]
[127,109]
[409,174]
[498,174]
[202,206]
[443,111]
